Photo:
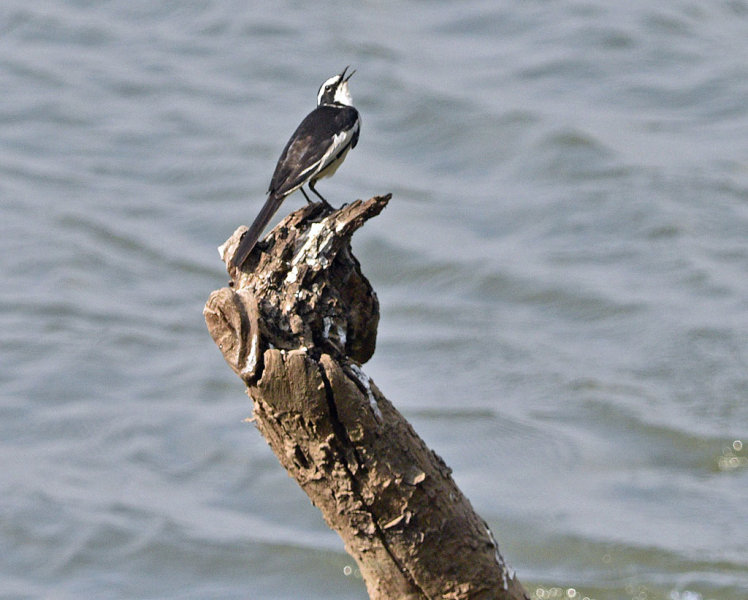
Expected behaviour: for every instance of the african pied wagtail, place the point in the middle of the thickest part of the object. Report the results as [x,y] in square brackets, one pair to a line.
[316,149]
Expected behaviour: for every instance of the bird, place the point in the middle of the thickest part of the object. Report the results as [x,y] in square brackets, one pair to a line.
[315,150]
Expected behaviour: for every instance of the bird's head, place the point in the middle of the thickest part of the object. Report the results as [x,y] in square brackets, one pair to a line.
[335,90]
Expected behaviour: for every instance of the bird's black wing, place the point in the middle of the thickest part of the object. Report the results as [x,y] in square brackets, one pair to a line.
[311,144]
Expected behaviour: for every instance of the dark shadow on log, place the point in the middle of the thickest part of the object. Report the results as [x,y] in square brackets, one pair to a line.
[296,324]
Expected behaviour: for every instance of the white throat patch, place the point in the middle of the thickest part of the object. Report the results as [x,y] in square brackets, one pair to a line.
[343,95]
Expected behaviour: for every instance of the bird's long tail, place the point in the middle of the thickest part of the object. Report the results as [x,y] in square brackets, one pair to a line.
[250,238]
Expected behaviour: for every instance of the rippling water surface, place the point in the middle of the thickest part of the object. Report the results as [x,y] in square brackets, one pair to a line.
[563,275]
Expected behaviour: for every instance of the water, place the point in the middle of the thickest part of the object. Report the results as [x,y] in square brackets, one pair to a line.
[562,273]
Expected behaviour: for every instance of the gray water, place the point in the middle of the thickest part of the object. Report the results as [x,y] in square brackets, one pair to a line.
[562,271]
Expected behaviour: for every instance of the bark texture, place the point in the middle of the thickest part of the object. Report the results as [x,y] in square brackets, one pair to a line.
[296,324]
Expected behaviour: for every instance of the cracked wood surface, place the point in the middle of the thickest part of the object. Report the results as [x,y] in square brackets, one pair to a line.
[296,324]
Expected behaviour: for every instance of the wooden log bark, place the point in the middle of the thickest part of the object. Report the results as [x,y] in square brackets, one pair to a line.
[296,324]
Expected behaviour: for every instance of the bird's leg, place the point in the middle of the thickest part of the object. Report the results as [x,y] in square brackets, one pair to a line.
[305,196]
[325,202]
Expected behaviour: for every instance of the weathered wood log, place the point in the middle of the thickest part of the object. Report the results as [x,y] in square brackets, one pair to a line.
[296,324]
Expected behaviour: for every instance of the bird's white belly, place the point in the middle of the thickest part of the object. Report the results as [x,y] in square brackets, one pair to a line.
[330,169]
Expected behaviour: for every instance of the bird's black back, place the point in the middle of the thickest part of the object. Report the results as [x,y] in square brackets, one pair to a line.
[308,145]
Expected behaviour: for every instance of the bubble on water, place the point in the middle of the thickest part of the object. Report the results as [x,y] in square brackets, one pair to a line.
[731,458]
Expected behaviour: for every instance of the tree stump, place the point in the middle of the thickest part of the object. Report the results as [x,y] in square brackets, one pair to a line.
[296,324]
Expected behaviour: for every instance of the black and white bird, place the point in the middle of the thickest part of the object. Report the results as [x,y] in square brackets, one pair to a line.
[316,149]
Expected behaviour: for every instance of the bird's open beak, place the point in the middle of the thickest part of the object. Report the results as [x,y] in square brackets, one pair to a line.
[342,75]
